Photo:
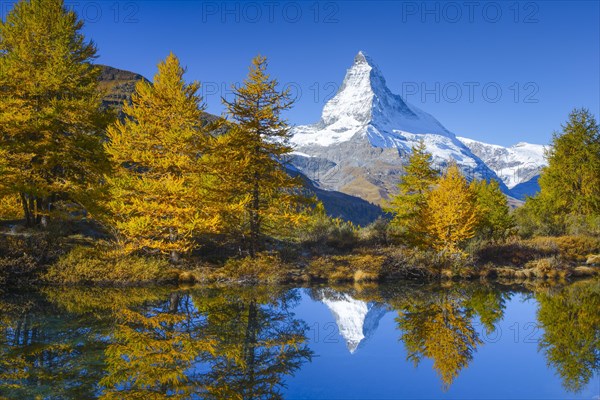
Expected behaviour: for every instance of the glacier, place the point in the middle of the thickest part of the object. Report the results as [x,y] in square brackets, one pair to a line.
[515,165]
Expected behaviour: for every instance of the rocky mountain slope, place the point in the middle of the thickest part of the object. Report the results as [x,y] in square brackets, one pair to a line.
[365,136]
[118,85]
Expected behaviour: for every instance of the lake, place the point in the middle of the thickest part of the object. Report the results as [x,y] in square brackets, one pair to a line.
[395,341]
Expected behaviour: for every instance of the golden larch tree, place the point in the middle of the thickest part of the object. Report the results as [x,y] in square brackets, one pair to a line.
[439,328]
[256,147]
[51,121]
[160,185]
[451,213]
[407,206]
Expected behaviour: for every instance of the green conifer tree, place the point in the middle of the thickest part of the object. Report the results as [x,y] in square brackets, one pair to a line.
[569,194]
[408,204]
[496,221]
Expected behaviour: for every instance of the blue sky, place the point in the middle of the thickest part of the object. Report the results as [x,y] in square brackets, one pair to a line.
[501,72]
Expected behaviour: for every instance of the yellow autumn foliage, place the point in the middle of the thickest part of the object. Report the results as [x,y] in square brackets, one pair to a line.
[451,214]
[159,199]
[51,120]
[254,154]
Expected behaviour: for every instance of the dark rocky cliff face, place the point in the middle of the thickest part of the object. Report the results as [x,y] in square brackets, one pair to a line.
[118,86]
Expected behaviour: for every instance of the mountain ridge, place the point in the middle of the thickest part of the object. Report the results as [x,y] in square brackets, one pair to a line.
[519,165]
[365,135]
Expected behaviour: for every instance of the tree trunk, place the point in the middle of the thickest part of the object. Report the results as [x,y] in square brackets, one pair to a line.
[36,210]
[173,238]
[174,303]
[26,212]
[250,347]
[42,208]
[255,218]
[32,209]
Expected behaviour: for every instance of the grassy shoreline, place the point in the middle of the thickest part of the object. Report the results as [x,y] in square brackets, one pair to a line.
[43,258]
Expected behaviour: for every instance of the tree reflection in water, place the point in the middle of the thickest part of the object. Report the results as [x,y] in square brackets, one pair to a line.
[259,341]
[208,343]
[439,325]
[570,319]
[149,343]
[243,343]
[52,344]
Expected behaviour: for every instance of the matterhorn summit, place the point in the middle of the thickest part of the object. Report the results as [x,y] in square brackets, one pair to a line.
[365,135]
[364,104]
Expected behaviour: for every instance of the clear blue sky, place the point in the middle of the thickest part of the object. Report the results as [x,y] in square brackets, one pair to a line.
[544,56]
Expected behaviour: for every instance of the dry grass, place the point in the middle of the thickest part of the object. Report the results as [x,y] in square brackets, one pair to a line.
[363,276]
[570,248]
[593,259]
[107,265]
[24,257]
[388,263]
[550,268]
[100,263]
[264,268]
[583,271]
[546,257]
[516,253]
[186,277]
[348,268]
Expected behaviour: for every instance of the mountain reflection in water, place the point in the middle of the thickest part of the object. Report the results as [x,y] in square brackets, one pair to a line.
[261,342]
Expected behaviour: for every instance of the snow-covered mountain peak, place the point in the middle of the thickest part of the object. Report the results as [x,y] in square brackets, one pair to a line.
[365,135]
[364,66]
[365,106]
[352,104]
[362,58]
[515,164]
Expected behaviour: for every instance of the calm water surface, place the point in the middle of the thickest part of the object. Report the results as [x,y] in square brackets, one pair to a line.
[401,341]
